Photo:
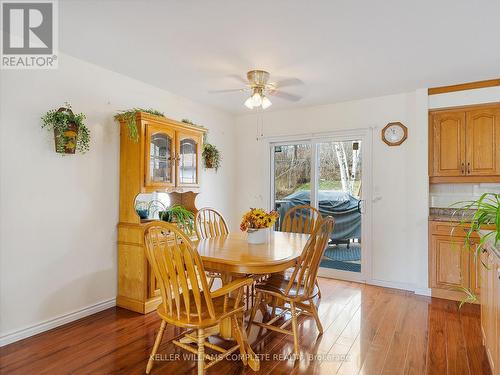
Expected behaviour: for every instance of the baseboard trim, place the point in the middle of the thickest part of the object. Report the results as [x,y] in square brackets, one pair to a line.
[391,284]
[423,292]
[35,329]
[386,284]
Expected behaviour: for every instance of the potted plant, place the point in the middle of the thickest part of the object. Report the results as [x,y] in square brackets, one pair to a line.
[486,215]
[180,215]
[129,117]
[256,223]
[70,133]
[211,156]
[142,209]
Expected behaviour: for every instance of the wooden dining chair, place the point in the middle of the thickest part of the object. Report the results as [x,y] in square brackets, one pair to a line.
[187,301]
[298,290]
[208,223]
[301,219]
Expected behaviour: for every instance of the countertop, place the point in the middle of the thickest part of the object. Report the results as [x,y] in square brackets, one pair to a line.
[450,214]
[454,215]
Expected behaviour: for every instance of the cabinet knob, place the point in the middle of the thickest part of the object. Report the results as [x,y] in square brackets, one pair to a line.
[462,169]
[468,167]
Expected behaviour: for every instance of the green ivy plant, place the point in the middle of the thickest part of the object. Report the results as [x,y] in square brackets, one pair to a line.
[187,121]
[70,132]
[211,156]
[180,215]
[129,117]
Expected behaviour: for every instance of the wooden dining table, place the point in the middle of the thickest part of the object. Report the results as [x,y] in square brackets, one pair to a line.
[232,256]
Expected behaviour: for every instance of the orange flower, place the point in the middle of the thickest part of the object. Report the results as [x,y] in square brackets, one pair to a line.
[258,218]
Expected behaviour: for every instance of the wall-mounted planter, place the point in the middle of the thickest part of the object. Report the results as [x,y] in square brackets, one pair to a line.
[70,133]
[65,140]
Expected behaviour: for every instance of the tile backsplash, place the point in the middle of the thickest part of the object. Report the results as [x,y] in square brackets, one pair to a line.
[444,195]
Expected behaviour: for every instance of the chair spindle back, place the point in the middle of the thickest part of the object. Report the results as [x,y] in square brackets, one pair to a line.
[305,272]
[209,223]
[178,270]
[301,219]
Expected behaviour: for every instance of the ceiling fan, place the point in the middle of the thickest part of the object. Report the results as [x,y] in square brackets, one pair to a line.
[257,83]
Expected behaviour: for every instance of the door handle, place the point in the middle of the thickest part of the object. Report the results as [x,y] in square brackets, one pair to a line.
[468,167]
[361,206]
[462,169]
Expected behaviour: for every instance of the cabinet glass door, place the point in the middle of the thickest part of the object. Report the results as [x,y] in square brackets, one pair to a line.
[160,152]
[188,160]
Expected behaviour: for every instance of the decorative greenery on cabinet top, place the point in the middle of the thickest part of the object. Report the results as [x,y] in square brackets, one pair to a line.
[129,117]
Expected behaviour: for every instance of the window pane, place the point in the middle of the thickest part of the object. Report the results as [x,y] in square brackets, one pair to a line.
[340,167]
[292,176]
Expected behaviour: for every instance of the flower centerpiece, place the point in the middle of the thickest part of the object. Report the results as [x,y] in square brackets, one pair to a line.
[256,223]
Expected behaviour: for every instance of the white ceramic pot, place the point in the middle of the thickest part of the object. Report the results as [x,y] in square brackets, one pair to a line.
[258,236]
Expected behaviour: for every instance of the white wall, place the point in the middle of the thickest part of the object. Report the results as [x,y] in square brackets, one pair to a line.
[400,182]
[59,214]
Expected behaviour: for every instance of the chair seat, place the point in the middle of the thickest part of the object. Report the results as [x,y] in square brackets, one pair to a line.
[277,285]
[206,320]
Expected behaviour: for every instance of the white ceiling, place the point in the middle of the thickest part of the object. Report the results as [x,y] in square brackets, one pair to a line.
[341,50]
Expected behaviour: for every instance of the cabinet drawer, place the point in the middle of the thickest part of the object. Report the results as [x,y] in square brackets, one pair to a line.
[445,228]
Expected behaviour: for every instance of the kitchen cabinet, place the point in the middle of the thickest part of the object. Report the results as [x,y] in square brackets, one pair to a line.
[464,145]
[452,267]
[490,307]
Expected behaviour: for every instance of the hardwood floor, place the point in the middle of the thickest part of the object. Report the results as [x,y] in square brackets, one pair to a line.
[368,330]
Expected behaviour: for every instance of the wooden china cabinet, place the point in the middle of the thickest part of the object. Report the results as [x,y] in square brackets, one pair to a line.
[166,158]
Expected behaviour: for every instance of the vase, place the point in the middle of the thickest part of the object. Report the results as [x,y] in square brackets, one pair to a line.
[258,236]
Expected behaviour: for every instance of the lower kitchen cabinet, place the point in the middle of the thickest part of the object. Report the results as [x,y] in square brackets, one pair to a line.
[490,307]
[452,266]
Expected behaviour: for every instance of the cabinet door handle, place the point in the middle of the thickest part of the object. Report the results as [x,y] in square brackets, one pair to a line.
[462,170]
[468,167]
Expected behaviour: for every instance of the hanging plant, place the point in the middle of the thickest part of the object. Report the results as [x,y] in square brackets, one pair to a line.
[70,133]
[129,117]
[211,156]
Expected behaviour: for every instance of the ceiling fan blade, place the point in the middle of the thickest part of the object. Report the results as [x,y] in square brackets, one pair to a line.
[285,95]
[224,91]
[239,78]
[287,82]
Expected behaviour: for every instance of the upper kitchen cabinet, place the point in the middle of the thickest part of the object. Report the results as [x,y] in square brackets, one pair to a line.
[464,145]
[448,143]
[482,132]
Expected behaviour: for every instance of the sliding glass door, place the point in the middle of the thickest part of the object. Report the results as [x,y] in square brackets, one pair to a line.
[339,195]
[328,175]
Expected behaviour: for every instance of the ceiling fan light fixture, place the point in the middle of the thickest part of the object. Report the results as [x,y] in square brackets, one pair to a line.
[266,103]
[249,103]
[256,99]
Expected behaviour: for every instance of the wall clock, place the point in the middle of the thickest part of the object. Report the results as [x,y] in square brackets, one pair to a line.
[394,133]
